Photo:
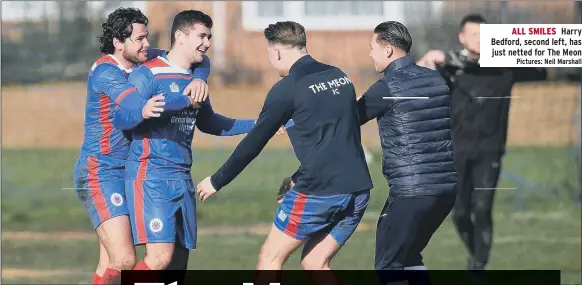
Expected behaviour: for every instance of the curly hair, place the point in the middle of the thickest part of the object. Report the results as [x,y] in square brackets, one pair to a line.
[119,26]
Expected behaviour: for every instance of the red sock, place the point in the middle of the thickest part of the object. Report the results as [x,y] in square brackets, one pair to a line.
[111,276]
[142,266]
[96,279]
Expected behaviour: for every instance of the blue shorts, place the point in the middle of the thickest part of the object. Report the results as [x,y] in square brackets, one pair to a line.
[162,211]
[102,193]
[103,200]
[302,216]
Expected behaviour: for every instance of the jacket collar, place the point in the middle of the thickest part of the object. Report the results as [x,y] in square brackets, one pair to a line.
[303,60]
[400,63]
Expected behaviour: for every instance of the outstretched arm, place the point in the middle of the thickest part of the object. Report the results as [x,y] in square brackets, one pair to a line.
[277,110]
[372,104]
[215,124]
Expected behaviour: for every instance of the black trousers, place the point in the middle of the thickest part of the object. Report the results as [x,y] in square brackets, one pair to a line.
[478,175]
[405,227]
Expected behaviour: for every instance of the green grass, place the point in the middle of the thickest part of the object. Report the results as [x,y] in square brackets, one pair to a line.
[543,235]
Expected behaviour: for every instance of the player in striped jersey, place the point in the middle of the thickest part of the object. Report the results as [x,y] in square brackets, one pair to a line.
[99,171]
[159,186]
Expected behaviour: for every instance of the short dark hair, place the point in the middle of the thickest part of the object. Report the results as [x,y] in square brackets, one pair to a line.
[119,26]
[395,34]
[286,33]
[187,19]
[472,18]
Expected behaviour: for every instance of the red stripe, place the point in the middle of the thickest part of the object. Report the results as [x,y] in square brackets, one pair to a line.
[95,188]
[296,214]
[106,125]
[106,59]
[138,188]
[103,59]
[123,94]
[173,76]
[156,62]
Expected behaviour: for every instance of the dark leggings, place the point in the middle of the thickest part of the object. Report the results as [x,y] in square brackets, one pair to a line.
[472,214]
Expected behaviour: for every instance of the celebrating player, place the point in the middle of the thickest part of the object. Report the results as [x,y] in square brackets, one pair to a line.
[333,183]
[160,191]
[98,174]
[412,107]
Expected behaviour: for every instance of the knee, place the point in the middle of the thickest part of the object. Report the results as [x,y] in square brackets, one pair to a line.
[125,261]
[269,258]
[482,212]
[460,214]
[314,264]
[159,260]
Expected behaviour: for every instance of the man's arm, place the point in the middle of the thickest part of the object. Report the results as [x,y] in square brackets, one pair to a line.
[528,74]
[505,107]
[108,79]
[277,110]
[199,70]
[213,123]
[128,111]
[155,52]
[372,104]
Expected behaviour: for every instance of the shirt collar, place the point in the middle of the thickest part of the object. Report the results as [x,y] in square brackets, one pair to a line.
[400,63]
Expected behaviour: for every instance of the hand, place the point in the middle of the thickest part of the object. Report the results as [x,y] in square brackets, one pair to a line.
[286,185]
[197,90]
[153,106]
[205,189]
[432,58]
[281,131]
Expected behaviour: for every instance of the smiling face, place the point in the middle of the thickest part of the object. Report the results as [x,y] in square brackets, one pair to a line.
[134,48]
[195,40]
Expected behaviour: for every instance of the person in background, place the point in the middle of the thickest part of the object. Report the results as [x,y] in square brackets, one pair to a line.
[480,111]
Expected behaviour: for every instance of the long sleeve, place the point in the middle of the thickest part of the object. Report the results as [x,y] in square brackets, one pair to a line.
[372,104]
[199,70]
[128,113]
[202,70]
[177,103]
[213,123]
[277,110]
[505,107]
[155,52]
[528,74]
[110,80]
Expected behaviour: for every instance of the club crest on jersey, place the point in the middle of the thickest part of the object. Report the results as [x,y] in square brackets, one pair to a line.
[116,199]
[174,87]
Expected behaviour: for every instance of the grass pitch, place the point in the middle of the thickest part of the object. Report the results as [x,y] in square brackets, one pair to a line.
[537,225]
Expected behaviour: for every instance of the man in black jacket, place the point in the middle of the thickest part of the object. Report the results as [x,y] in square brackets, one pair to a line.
[480,112]
[412,106]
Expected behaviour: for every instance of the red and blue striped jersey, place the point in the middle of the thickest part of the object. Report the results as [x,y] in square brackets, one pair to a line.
[161,147]
[105,148]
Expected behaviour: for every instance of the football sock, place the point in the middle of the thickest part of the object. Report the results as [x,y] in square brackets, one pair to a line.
[96,279]
[111,276]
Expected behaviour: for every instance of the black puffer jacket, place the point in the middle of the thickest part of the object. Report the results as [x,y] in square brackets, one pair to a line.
[416,133]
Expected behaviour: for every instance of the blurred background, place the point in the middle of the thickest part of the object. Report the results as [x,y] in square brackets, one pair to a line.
[48,48]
